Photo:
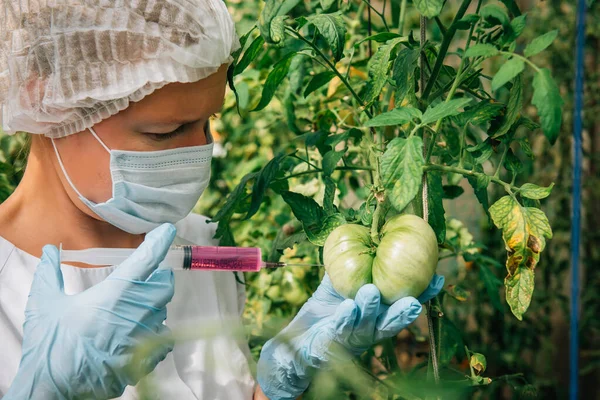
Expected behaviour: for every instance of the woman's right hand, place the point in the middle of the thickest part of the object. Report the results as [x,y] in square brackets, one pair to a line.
[78,346]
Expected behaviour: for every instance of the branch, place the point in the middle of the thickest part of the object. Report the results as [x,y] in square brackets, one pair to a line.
[466,172]
[444,48]
[332,67]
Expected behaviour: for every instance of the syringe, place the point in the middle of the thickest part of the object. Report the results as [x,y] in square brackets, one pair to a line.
[205,258]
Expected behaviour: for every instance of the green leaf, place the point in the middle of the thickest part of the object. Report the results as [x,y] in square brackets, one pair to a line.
[479,113]
[305,209]
[512,163]
[478,363]
[435,192]
[452,191]
[429,8]
[276,76]
[494,15]
[224,234]
[278,30]
[443,110]
[291,240]
[317,81]
[283,240]
[482,50]
[526,147]
[333,140]
[540,43]
[249,55]
[380,37]
[519,290]
[404,73]
[333,30]
[451,341]
[378,67]
[467,21]
[233,199]
[398,116]
[512,7]
[518,25]
[326,4]
[480,146]
[492,285]
[330,161]
[527,123]
[265,176]
[507,72]
[524,230]
[480,184]
[317,234]
[401,170]
[329,195]
[365,213]
[546,97]
[271,10]
[513,108]
[535,192]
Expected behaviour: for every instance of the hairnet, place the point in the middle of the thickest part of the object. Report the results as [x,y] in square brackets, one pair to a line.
[66,65]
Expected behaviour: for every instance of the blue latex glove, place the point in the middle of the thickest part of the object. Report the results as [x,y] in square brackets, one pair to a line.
[76,346]
[327,320]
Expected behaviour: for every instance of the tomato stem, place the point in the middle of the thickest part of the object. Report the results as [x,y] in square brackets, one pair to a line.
[375,224]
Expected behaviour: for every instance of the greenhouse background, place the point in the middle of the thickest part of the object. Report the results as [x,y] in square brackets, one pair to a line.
[530,357]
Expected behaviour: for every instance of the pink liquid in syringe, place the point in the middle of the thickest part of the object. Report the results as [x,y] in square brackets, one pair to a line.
[245,259]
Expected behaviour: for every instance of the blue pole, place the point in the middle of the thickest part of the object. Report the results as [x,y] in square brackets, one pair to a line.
[576,220]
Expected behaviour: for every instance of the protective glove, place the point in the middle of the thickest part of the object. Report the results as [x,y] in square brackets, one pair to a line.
[326,322]
[77,346]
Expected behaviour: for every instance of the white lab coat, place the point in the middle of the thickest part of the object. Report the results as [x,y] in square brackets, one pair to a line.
[214,368]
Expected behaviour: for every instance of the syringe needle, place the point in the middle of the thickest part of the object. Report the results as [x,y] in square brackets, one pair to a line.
[280,264]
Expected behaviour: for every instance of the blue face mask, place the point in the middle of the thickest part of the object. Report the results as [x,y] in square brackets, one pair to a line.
[151,187]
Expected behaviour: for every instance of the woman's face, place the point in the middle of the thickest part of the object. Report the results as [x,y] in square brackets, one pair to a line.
[171,117]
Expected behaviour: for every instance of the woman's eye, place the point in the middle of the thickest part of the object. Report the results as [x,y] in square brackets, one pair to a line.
[169,135]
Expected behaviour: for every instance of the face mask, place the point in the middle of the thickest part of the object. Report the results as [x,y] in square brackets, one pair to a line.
[151,187]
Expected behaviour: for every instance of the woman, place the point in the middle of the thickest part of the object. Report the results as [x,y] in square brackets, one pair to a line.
[117,98]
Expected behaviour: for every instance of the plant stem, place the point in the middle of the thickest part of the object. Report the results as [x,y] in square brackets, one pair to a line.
[444,49]
[497,173]
[441,26]
[402,17]
[333,69]
[375,223]
[537,69]
[463,135]
[455,84]
[318,170]
[368,3]
[303,160]
[507,186]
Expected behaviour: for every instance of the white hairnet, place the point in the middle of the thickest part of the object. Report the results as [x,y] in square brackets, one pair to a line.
[66,65]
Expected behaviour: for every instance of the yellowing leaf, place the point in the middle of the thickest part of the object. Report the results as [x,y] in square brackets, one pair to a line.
[524,230]
[519,289]
[478,363]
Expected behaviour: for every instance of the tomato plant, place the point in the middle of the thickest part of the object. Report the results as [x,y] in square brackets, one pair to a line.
[385,121]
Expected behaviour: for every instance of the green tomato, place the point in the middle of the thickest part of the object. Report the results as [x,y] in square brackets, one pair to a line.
[401,265]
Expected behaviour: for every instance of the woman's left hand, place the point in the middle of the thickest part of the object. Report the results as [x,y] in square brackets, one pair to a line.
[326,324]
